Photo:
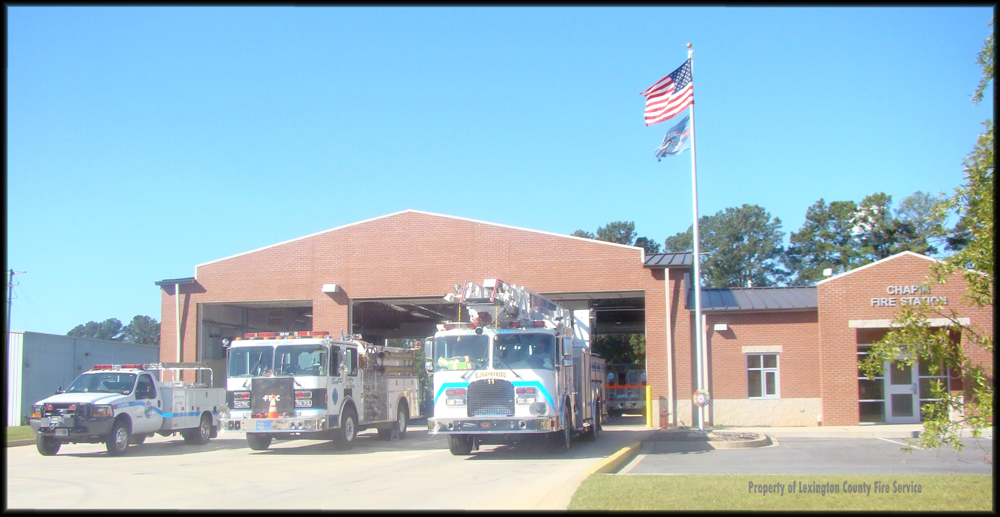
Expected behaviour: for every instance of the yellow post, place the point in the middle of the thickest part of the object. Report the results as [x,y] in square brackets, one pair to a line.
[649,406]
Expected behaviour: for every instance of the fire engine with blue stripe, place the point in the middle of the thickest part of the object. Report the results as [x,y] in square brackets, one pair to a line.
[124,404]
[520,368]
[307,385]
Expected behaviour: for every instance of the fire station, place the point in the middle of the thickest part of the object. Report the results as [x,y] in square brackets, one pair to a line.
[774,356]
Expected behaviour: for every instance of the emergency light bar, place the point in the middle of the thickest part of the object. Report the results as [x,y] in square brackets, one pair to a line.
[301,333]
[116,366]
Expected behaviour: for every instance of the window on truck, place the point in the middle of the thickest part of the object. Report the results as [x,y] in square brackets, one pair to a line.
[106,382]
[249,361]
[460,352]
[145,388]
[536,351]
[335,360]
[301,360]
[351,360]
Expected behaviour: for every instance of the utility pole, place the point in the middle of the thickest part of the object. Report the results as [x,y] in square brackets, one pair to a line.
[6,348]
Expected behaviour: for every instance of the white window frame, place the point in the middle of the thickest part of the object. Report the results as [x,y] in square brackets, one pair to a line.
[763,376]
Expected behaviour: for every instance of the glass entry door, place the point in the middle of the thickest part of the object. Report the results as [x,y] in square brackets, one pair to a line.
[902,401]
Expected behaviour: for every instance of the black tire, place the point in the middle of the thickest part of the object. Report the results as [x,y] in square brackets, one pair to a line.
[47,446]
[402,419]
[348,432]
[595,427]
[600,416]
[460,445]
[259,441]
[117,441]
[201,434]
[562,440]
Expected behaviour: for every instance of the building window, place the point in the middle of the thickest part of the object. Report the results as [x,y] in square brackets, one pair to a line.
[762,376]
[871,393]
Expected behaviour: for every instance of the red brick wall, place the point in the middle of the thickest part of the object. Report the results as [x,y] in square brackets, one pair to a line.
[410,254]
[796,332]
[848,297]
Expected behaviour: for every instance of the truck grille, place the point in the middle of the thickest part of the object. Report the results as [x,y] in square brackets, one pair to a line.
[60,409]
[491,397]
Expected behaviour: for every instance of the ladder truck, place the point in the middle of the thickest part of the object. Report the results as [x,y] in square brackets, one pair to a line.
[516,371]
[307,385]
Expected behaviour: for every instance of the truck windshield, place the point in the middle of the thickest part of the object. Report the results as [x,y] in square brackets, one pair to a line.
[518,351]
[463,352]
[302,360]
[107,382]
[249,361]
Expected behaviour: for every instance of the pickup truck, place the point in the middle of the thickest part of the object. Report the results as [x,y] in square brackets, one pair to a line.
[120,405]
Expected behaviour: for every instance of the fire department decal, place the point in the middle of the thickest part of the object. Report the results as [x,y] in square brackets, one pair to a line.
[333,396]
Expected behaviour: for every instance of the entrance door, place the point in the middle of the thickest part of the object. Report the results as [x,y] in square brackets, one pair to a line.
[902,402]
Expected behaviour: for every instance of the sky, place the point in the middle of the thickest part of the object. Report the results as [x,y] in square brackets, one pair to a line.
[143,141]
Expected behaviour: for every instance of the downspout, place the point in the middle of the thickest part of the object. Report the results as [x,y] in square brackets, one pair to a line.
[671,403]
[177,313]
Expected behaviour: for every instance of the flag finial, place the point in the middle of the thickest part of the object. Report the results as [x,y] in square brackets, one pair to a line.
[689,45]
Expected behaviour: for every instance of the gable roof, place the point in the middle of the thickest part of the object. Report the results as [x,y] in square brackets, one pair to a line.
[584,239]
[877,262]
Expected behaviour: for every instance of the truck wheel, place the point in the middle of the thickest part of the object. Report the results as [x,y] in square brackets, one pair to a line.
[460,445]
[402,415]
[562,440]
[595,427]
[259,441]
[47,446]
[600,416]
[348,433]
[117,441]
[200,434]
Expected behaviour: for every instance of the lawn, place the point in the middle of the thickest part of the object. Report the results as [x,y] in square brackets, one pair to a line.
[20,433]
[941,492]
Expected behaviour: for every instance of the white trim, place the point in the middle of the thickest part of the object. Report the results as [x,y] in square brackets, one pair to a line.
[884,324]
[855,270]
[769,349]
[642,251]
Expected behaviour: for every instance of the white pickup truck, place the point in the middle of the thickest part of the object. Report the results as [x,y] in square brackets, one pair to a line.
[120,405]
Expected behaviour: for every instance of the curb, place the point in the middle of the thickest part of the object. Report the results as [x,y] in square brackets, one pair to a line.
[616,460]
[721,444]
[15,443]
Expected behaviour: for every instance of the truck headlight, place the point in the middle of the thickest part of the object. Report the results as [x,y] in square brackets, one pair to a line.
[103,411]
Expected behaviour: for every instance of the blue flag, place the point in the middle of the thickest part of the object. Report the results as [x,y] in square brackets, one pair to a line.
[678,139]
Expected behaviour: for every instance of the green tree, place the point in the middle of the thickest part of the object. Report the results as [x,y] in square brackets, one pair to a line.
[914,340]
[883,235]
[107,330]
[620,232]
[142,330]
[919,211]
[743,247]
[651,246]
[824,242]
[583,233]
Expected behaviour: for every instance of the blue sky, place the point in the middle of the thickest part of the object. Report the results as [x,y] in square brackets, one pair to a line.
[142,141]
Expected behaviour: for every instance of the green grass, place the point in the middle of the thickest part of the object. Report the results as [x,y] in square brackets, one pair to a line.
[20,433]
[940,492]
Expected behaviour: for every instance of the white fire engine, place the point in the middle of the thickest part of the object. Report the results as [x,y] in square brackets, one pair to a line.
[124,404]
[514,371]
[307,385]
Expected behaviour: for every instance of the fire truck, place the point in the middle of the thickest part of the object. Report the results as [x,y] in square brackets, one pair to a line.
[626,388]
[307,385]
[124,404]
[515,371]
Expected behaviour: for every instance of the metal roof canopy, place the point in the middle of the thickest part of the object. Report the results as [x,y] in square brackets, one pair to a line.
[733,299]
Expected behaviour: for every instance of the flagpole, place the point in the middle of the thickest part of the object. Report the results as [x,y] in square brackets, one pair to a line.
[699,355]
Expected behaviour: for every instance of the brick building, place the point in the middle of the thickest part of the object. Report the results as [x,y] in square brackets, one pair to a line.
[774,356]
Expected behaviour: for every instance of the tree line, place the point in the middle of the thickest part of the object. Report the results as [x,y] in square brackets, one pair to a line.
[744,246]
[142,330]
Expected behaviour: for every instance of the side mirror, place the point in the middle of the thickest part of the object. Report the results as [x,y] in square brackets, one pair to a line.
[429,366]
[59,390]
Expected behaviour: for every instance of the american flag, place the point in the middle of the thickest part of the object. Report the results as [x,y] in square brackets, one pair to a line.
[670,95]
